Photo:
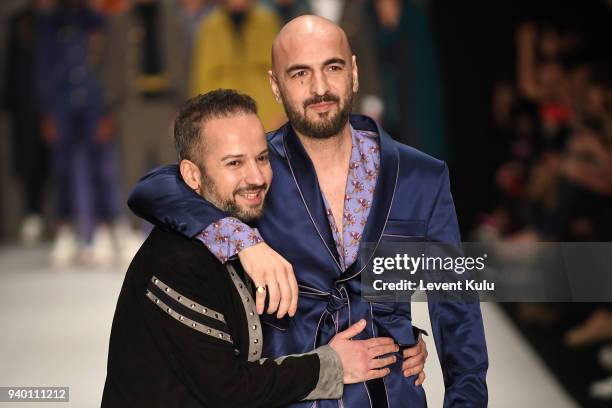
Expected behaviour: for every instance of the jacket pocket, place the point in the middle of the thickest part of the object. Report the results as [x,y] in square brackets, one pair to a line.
[404,230]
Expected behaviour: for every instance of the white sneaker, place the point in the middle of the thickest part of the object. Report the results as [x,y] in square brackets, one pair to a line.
[31,230]
[129,242]
[602,389]
[102,251]
[605,358]
[64,248]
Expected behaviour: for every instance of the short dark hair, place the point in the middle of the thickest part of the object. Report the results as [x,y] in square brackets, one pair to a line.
[220,103]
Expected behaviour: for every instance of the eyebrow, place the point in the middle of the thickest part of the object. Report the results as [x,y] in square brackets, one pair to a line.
[334,60]
[232,156]
[239,156]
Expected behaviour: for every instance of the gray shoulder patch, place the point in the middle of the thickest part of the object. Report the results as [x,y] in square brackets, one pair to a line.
[255,333]
[196,307]
[184,302]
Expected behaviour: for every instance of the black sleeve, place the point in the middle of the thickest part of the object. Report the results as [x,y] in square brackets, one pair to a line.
[209,367]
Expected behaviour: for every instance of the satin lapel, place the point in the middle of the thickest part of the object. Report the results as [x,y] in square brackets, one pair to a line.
[383,198]
[305,177]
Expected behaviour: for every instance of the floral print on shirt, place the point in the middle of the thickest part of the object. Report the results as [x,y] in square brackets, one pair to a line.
[228,236]
[364,166]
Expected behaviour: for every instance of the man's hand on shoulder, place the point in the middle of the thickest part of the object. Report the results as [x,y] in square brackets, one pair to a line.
[268,269]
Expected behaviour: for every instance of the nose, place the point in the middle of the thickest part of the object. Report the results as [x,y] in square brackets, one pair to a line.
[319,85]
[254,174]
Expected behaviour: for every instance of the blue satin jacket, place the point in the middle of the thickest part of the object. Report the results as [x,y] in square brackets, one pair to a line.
[412,201]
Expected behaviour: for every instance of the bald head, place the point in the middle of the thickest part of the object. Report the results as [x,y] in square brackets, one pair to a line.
[309,31]
[315,76]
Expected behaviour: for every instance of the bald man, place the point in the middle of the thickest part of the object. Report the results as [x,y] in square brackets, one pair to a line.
[339,180]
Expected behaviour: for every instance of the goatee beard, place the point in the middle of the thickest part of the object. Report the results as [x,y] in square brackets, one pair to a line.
[326,128]
[230,206]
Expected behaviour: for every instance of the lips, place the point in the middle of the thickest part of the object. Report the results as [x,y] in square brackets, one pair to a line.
[323,106]
[252,197]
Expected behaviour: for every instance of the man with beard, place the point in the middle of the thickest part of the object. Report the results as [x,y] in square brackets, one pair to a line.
[339,180]
[185,332]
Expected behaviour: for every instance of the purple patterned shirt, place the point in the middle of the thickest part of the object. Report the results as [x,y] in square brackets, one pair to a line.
[228,236]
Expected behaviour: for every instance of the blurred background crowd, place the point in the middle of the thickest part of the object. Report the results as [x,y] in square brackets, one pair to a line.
[515,95]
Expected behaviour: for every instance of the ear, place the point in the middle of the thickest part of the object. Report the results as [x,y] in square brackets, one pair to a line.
[191,174]
[274,86]
[355,75]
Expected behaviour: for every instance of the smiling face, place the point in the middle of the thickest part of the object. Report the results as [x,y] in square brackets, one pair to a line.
[314,75]
[235,168]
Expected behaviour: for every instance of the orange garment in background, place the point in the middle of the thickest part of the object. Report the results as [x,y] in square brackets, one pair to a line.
[225,58]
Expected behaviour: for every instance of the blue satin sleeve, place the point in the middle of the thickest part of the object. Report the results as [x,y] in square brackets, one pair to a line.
[457,325]
[162,198]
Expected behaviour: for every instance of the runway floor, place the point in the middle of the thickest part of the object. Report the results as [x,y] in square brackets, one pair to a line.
[55,325]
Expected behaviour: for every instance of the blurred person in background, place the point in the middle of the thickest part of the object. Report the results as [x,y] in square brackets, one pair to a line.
[79,126]
[20,102]
[193,12]
[157,38]
[514,129]
[554,184]
[352,16]
[411,88]
[232,50]
[542,79]
[555,119]
[148,47]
